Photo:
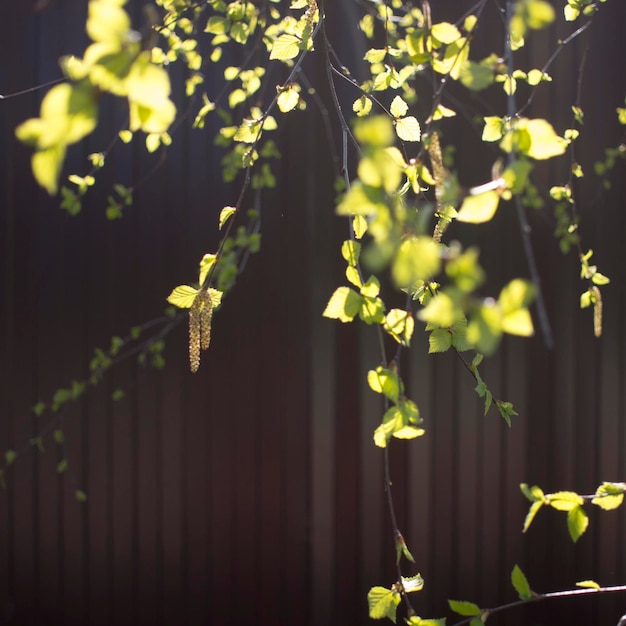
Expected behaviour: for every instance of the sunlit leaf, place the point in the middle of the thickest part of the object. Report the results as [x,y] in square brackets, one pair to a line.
[182,296]
[285,47]
[398,107]
[382,603]
[344,305]
[445,32]
[564,500]
[588,584]
[226,213]
[479,208]
[288,99]
[577,522]
[609,495]
[408,129]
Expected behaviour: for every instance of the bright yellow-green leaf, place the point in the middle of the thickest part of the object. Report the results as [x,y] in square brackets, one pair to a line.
[361,200]
[477,76]
[375,55]
[533,493]
[544,142]
[375,131]
[225,214]
[288,99]
[344,305]
[400,325]
[417,259]
[371,288]
[382,603]
[107,22]
[385,381]
[353,276]
[408,129]
[453,60]
[206,263]
[535,77]
[442,111]
[532,512]
[445,32]
[359,225]
[285,47]
[609,496]
[494,128]
[485,327]
[439,340]
[126,136]
[518,323]
[564,500]
[46,165]
[577,522]
[398,107]
[372,308]
[183,296]
[588,584]
[570,12]
[350,251]
[362,106]
[440,311]
[479,208]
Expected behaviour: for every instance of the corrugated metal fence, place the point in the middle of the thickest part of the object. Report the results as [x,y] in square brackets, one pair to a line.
[251,493]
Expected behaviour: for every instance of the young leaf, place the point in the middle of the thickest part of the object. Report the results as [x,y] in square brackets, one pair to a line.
[183,296]
[382,603]
[520,583]
[400,325]
[80,495]
[564,500]
[479,208]
[285,47]
[609,495]
[466,609]
[532,512]
[398,107]
[408,129]
[588,584]
[577,522]
[288,99]
[413,583]
[344,305]
[225,214]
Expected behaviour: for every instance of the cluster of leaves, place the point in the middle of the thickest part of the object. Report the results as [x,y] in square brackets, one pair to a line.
[608,496]
[400,199]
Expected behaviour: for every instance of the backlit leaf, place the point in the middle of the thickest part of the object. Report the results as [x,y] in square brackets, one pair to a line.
[398,107]
[344,305]
[577,522]
[588,584]
[288,99]
[479,208]
[445,32]
[225,214]
[382,602]
[609,495]
[183,296]
[408,129]
[285,47]
[564,500]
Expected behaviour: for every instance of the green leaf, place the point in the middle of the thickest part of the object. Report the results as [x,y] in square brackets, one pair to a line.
[285,47]
[577,522]
[383,603]
[117,395]
[466,609]
[479,208]
[532,512]
[414,620]
[206,263]
[440,311]
[398,107]
[520,583]
[288,99]
[506,411]
[564,500]
[372,309]
[362,106]
[494,129]
[445,33]
[400,325]
[609,495]
[344,305]
[385,381]
[513,300]
[58,436]
[417,259]
[533,494]
[183,296]
[408,129]
[588,584]
[10,456]
[544,142]
[62,466]
[350,251]
[439,340]
[80,495]
[225,214]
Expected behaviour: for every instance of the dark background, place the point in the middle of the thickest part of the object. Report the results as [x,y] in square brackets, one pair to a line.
[251,492]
